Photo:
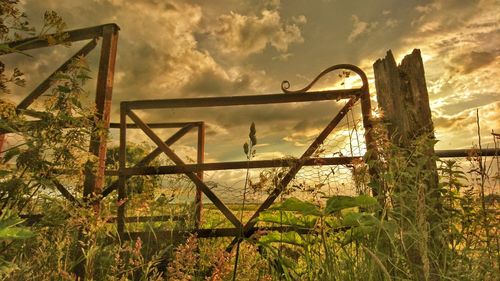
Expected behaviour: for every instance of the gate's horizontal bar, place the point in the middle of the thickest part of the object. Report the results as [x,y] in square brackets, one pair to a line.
[157,125]
[32,219]
[161,170]
[256,164]
[451,153]
[111,125]
[72,36]
[164,218]
[219,232]
[243,100]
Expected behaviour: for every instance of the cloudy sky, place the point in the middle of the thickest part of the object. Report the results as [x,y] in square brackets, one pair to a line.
[171,49]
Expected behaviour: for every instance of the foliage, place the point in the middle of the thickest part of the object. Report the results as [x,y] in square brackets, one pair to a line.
[360,237]
[144,185]
[357,237]
[317,249]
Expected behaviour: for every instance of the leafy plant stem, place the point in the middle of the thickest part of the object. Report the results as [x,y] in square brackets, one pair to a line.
[249,151]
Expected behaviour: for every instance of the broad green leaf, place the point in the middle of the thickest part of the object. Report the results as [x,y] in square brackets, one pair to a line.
[15,233]
[291,237]
[359,219]
[362,224]
[357,233]
[340,202]
[10,230]
[299,206]
[287,219]
[9,221]
[288,266]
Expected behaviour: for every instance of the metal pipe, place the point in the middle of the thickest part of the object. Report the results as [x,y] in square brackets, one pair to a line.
[245,100]
[256,164]
[71,36]
[456,153]
[157,125]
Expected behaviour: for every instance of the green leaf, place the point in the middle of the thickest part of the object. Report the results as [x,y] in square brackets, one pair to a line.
[83,77]
[363,224]
[76,102]
[16,233]
[9,221]
[340,202]
[359,219]
[10,154]
[10,230]
[63,89]
[4,173]
[357,234]
[7,267]
[296,205]
[61,76]
[291,237]
[287,219]
[4,47]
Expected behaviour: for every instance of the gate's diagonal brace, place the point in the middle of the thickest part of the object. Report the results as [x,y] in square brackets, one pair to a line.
[248,229]
[45,85]
[196,180]
[151,156]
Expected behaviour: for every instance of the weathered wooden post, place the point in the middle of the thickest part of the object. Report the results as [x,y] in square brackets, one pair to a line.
[200,158]
[402,95]
[94,178]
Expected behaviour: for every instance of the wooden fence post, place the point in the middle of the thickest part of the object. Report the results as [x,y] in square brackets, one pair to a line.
[94,178]
[402,95]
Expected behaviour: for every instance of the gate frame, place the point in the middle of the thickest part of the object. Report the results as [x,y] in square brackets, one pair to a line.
[195,171]
[94,180]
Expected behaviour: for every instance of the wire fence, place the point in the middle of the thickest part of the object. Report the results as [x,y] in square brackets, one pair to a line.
[173,195]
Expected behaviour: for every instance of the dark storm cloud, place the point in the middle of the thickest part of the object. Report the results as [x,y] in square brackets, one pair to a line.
[213,84]
[469,62]
[472,101]
[171,49]
[450,122]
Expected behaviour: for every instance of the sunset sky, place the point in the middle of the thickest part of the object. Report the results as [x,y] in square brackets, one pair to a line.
[171,49]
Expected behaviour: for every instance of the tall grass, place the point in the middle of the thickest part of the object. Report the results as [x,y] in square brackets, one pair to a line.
[409,232]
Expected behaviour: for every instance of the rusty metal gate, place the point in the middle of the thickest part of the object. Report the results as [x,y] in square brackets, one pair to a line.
[195,171]
[94,189]
[94,181]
